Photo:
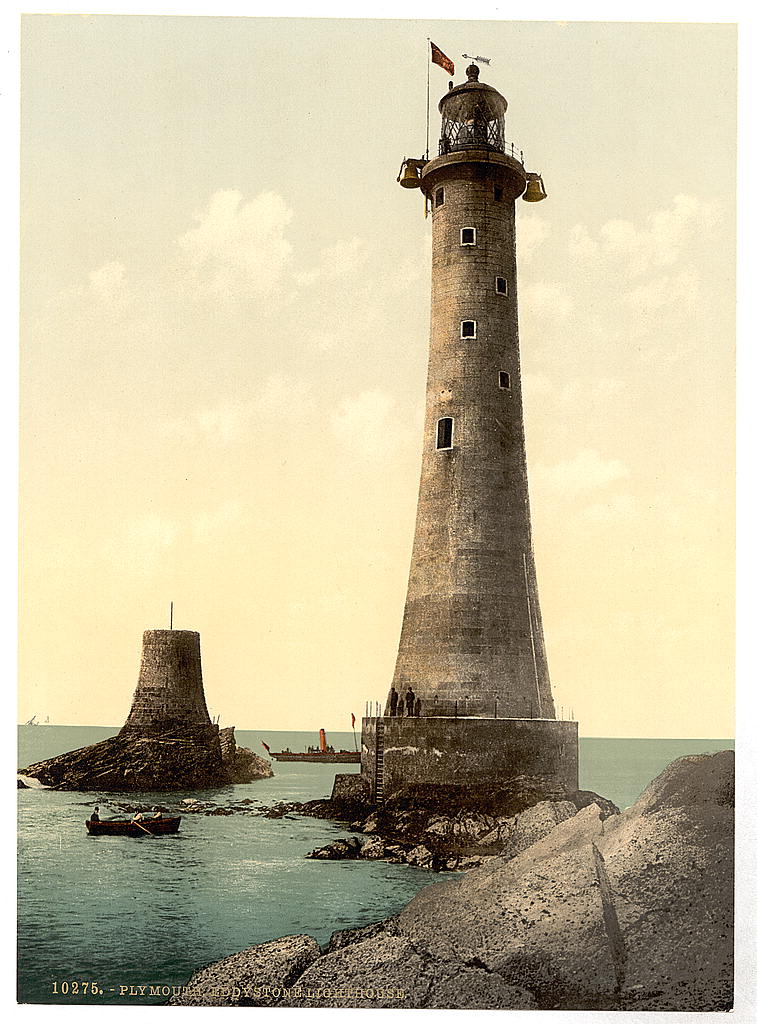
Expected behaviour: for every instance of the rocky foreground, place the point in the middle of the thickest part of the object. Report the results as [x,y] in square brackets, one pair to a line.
[132,764]
[604,911]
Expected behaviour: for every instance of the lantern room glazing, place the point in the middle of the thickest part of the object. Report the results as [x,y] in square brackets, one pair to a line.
[473,117]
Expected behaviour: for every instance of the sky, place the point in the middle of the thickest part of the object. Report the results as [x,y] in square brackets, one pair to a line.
[225,314]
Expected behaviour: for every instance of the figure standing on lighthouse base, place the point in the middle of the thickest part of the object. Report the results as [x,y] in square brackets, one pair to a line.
[471,651]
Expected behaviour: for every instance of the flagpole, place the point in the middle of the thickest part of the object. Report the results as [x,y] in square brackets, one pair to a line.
[428,89]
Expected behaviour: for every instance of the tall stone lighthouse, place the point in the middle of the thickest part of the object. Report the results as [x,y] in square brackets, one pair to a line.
[471,698]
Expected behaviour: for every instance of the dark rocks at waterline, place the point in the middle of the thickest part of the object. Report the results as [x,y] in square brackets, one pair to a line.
[128,763]
[187,805]
[632,911]
[451,843]
[449,828]
[340,849]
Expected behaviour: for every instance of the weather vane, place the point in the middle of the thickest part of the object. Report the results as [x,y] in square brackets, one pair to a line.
[481,60]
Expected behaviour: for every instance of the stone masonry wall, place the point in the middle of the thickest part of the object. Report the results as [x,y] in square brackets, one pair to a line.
[470,751]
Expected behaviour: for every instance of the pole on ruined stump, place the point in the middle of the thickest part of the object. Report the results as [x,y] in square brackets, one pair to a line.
[171,624]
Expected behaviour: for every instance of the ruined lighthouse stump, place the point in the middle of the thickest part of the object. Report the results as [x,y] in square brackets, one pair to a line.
[168,741]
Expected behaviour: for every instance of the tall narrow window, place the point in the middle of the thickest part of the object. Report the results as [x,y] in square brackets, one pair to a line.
[440,197]
[501,285]
[467,328]
[467,236]
[504,379]
[444,433]
[498,193]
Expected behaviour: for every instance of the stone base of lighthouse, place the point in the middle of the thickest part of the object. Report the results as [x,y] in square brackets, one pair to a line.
[466,752]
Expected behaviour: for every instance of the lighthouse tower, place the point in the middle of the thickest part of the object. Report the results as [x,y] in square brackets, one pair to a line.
[472,633]
[471,697]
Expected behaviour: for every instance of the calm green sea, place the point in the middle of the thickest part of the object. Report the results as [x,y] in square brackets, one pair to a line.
[129,912]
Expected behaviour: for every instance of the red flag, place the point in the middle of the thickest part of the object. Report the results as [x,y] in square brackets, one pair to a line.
[266,746]
[437,57]
[353,721]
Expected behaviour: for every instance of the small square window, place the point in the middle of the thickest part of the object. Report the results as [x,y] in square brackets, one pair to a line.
[498,193]
[504,380]
[501,285]
[444,433]
[439,200]
[467,236]
[467,328]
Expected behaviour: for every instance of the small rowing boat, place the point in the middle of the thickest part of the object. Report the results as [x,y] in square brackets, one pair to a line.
[125,827]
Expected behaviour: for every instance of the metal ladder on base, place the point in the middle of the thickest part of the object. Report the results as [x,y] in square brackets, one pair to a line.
[379,779]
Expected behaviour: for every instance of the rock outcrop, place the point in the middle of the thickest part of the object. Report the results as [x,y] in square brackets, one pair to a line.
[241,764]
[631,911]
[131,764]
[255,977]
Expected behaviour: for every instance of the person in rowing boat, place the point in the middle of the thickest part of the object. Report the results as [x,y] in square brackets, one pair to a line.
[95,815]
[157,813]
[136,816]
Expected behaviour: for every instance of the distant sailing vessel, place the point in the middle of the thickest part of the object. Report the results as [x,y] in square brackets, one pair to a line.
[322,754]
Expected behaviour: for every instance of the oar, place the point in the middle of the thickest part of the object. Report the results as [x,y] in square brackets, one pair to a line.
[142,827]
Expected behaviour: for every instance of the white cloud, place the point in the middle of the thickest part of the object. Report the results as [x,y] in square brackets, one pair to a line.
[532,232]
[536,385]
[221,424]
[581,246]
[239,247]
[107,282]
[152,531]
[229,420]
[677,293]
[141,543]
[551,301]
[336,262]
[366,424]
[580,392]
[216,523]
[620,506]
[586,471]
[278,397]
[659,243]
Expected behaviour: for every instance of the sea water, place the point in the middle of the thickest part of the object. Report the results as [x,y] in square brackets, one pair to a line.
[119,913]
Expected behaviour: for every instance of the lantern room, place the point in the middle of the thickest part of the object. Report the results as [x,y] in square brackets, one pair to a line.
[473,116]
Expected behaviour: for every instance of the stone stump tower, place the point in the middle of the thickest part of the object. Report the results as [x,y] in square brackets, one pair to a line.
[168,742]
[169,699]
[471,674]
